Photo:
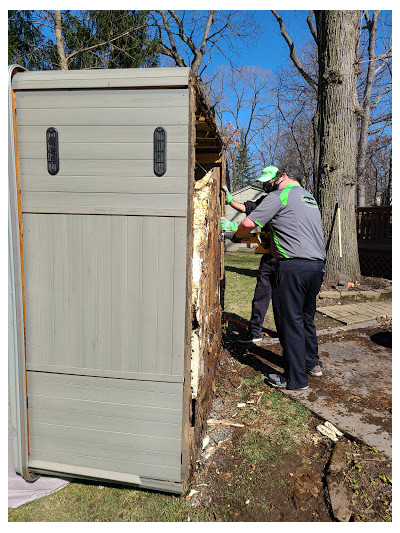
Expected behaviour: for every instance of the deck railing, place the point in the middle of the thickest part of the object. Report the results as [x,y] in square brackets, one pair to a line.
[374,224]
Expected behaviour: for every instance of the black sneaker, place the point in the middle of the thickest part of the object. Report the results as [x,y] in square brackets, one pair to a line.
[247,338]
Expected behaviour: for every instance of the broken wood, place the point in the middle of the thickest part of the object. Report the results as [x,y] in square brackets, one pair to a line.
[225,423]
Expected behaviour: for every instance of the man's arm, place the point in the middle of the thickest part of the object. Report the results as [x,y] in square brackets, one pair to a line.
[238,206]
[244,228]
[230,201]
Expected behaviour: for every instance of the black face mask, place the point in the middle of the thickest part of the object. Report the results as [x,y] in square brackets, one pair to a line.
[268,187]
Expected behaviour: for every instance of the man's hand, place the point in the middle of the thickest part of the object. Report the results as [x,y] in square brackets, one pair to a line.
[229,197]
[228,225]
[230,235]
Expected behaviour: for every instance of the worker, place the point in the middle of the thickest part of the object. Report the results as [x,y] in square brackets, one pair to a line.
[268,264]
[296,226]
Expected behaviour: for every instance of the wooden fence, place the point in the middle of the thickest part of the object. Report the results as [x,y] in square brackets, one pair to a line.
[374,234]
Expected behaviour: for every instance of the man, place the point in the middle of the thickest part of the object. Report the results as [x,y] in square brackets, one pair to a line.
[268,264]
[296,227]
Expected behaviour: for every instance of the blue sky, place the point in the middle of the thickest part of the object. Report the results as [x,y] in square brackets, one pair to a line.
[270,50]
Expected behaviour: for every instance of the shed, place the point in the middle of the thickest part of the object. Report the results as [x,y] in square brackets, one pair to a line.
[247,193]
[115,272]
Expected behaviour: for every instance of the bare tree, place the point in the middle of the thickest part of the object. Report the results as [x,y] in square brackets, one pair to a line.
[378,172]
[364,108]
[337,135]
[373,92]
[242,97]
[189,38]
[297,142]
[336,127]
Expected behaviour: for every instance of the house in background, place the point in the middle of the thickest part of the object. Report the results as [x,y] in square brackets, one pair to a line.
[250,192]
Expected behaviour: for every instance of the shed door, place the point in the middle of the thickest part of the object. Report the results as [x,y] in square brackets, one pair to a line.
[104,245]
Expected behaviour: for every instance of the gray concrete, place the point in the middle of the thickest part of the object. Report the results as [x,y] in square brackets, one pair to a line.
[354,392]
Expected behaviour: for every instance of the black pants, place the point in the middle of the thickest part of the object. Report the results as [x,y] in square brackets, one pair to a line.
[299,282]
[262,293]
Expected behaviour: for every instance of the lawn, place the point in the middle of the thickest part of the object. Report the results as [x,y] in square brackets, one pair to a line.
[241,276]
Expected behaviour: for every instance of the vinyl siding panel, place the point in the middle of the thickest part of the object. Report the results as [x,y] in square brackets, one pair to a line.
[101,98]
[103,149]
[128,426]
[112,78]
[108,284]
[105,134]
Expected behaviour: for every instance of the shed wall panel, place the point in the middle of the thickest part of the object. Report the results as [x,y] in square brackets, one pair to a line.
[102,98]
[106,184]
[112,78]
[141,168]
[148,116]
[113,203]
[105,134]
[111,293]
[129,426]
[99,151]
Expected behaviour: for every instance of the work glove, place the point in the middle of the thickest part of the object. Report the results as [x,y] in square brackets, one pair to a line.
[228,196]
[228,225]
[231,236]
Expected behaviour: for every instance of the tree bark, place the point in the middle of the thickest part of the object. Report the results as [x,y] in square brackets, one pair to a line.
[337,136]
[59,40]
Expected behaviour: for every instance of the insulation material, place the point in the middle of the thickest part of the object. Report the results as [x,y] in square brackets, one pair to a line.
[206,297]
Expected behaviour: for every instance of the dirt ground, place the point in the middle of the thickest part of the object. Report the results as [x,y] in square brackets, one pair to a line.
[365,283]
[290,480]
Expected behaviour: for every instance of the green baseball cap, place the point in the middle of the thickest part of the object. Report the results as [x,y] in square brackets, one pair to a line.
[268,173]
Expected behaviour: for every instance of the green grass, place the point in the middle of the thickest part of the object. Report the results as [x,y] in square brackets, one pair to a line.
[284,424]
[81,502]
[241,276]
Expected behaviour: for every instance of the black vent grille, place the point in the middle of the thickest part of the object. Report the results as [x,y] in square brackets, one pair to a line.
[53,164]
[160,151]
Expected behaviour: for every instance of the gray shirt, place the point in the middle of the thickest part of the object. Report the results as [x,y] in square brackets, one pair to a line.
[295,223]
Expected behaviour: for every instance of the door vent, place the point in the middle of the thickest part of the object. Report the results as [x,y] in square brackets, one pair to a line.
[160,151]
[53,164]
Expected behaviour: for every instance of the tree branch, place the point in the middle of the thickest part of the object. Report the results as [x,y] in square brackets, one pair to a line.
[171,52]
[380,96]
[293,54]
[88,48]
[311,26]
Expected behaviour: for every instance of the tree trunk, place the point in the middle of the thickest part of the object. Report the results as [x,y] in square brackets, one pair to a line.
[337,137]
[59,40]
[365,112]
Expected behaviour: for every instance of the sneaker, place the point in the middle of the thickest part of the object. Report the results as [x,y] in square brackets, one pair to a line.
[276,380]
[247,338]
[315,370]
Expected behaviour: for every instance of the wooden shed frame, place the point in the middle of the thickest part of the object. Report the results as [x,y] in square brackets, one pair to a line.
[205,158]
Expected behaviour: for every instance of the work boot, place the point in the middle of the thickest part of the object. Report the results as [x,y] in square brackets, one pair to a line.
[315,370]
[247,338]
